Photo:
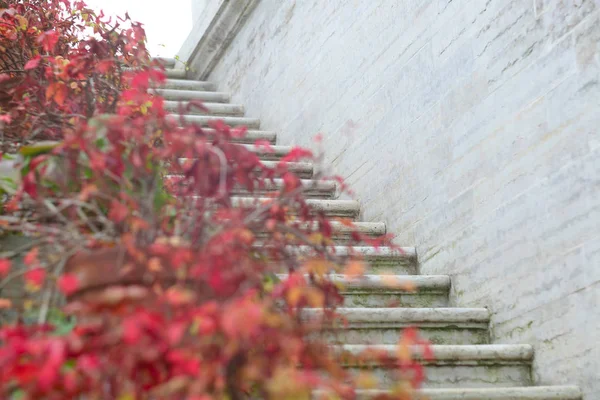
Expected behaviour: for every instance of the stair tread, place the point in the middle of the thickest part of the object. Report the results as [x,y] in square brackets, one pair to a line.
[252,135]
[176,73]
[311,187]
[370,251]
[420,316]
[389,282]
[232,121]
[217,110]
[331,207]
[496,393]
[187,84]
[456,352]
[168,62]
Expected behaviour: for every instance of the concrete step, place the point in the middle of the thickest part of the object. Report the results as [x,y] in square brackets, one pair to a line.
[176,73]
[464,326]
[400,261]
[500,393]
[203,120]
[186,85]
[273,153]
[311,188]
[331,208]
[251,136]
[204,96]
[187,95]
[166,62]
[342,232]
[303,170]
[377,291]
[214,109]
[455,366]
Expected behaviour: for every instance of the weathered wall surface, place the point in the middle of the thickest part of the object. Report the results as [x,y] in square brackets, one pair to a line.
[472,127]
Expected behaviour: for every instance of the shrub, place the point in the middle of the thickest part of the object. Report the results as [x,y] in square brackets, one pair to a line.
[135,230]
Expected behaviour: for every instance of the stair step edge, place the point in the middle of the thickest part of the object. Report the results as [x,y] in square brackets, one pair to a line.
[390,283]
[418,316]
[442,352]
[500,393]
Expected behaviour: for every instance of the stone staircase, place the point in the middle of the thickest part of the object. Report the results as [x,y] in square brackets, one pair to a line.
[466,365]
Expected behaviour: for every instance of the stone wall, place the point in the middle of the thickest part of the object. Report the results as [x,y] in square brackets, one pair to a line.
[472,128]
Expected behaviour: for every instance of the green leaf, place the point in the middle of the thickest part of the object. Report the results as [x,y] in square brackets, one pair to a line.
[38,148]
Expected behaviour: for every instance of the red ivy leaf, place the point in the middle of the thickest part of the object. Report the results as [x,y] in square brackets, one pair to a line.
[4,266]
[48,40]
[68,284]
[35,277]
[141,80]
[30,184]
[118,211]
[33,63]
[297,153]
[58,92]
[131,331]
[104,66]
[31,258]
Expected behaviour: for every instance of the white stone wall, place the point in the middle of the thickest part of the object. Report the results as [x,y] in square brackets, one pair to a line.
[472,127]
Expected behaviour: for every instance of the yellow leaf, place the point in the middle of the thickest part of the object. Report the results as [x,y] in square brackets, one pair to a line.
[154,264]
[319,267]
[294,296]
[32,288]
[58,92]
[22,22]
[403,352]
[87,191]
[393,281]
[354,268]
[5,303]
[315,297]
[316,238]
[366,380]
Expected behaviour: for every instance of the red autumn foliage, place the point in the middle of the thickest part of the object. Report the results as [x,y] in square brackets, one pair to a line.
[134,216]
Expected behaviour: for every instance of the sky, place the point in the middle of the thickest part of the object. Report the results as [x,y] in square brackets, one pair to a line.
[167,23]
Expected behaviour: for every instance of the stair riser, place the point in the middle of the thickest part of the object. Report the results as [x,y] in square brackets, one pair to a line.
[461,376]
[181,84]
[250,138]
[207,97]
[166,62]
[203,120]
[337,239]
[500,393]
[176,73]
[391,334]
[302,170]
[373,268]
[330,208]
[310,194]
[214,109]
[377,299]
